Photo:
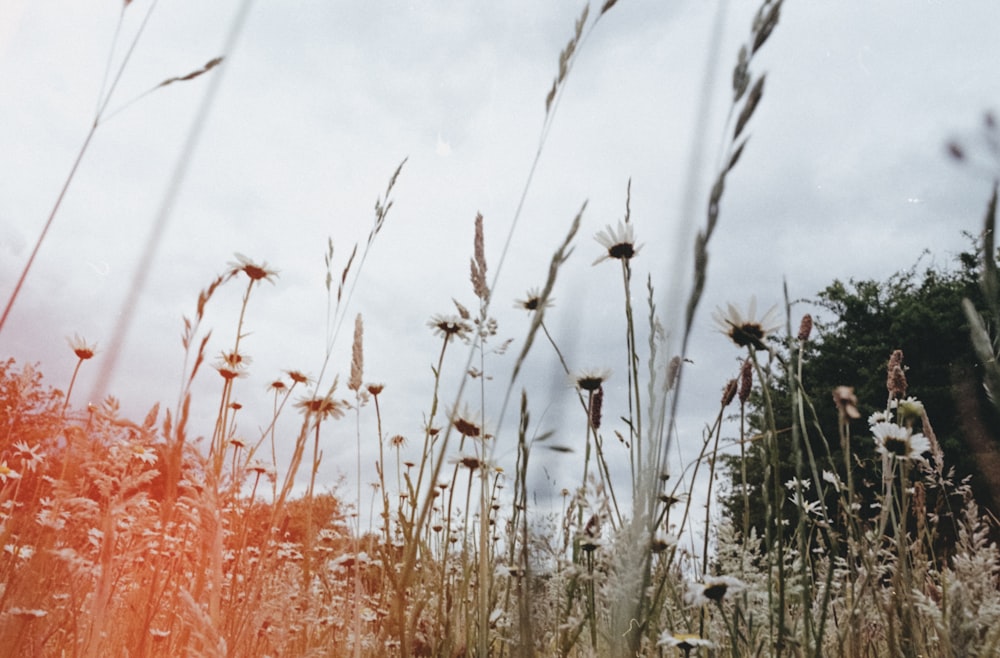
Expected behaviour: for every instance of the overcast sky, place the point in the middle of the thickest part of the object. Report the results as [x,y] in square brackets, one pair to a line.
[844,176]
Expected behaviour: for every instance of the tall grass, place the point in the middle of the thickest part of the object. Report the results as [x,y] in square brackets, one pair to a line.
[134,539]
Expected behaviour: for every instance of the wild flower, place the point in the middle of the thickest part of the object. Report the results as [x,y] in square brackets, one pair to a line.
[714,589]
[448,326]
[795,483]
[846,402]
[22,551]
[899,442]
[662,542]
[683,641]
[260,468]
[467,423]
[471,462]
[878,417]
[298,377]
[31,458]
[48,519]
[590,379]
[253,270]
[83,352]
[277,386]
[81,348]
[619,242]
[233,359]
[8,473]
[909,409]
[533,301]
[322,407]
[807,506]
[744,329]
[228,373]
[670,499]
[143,454]
[375,389]
[832,478]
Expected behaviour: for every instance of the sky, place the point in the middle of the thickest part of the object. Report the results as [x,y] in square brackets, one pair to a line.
[316,105]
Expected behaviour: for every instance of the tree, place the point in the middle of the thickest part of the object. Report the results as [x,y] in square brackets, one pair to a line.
[918,312]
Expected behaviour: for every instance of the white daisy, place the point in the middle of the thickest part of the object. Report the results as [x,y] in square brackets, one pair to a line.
[590,379]
[900,442]
[714,589]
[745,329]
[620,242]
[683,641]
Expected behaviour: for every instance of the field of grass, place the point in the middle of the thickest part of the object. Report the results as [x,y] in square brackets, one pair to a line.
[164,536]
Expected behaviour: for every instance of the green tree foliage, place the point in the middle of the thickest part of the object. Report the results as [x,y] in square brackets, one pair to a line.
[860,324]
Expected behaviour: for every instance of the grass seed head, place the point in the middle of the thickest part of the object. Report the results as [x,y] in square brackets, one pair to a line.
[595,408]
[805,328]
[895,380]
[746,381]
[729,392]
[357,356]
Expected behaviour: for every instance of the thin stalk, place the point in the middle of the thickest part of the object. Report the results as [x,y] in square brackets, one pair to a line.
[634,398]
[381,469]
[744,482]
[103,100]
[427,454]
[356,613]
[308,548]
[72,381]
[178,175]
[708,499]
[774,531]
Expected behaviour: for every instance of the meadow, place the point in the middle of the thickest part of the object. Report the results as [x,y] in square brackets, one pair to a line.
[168,536]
